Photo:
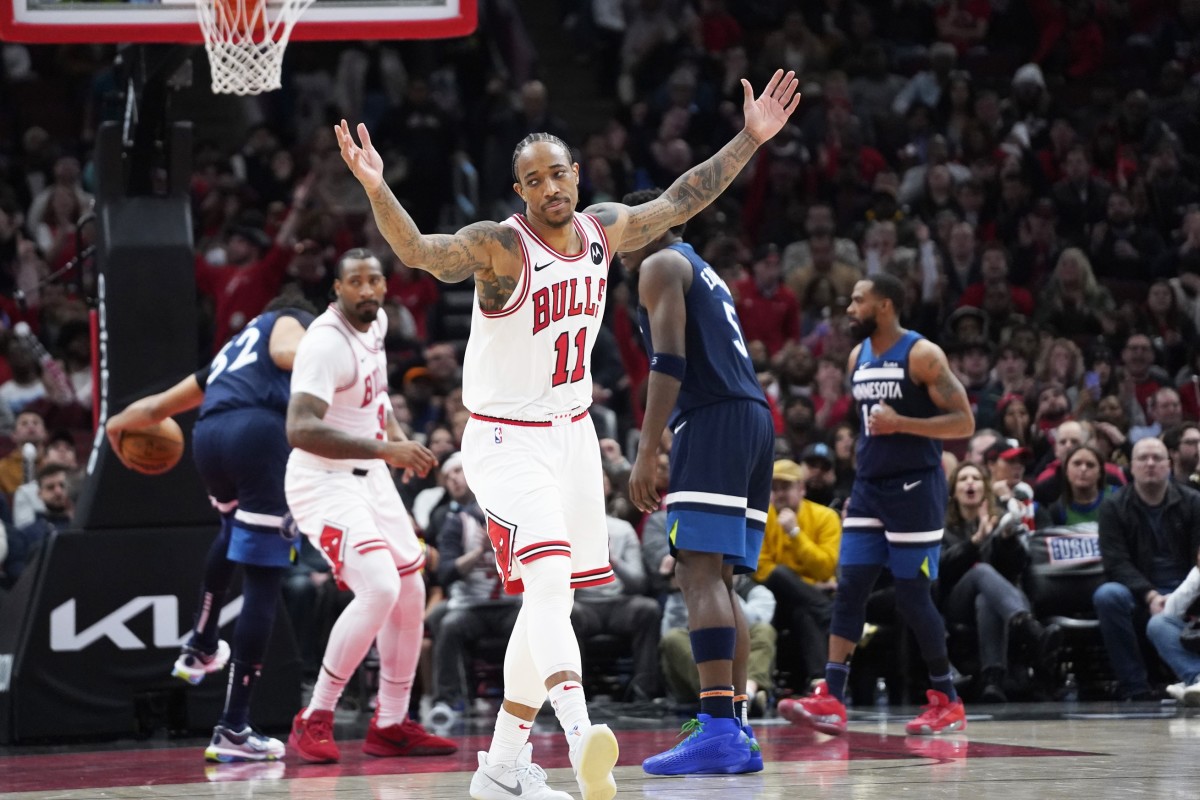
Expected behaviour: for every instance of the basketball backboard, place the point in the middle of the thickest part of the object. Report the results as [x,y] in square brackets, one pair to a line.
[175,21]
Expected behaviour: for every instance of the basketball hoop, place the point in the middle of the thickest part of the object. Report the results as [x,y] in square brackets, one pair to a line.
[245,40]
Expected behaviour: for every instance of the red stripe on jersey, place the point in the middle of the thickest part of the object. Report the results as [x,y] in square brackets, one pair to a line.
[520,218]
[594,582]
[415,566]
[522,423]
[591,573]
[368,542]
[362,551]
[526,279]
[558,544]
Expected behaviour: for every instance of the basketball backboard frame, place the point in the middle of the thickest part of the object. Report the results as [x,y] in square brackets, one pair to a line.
[175,21]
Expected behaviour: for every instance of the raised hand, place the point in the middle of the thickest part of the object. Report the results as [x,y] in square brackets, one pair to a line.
[365,161]
[767,115]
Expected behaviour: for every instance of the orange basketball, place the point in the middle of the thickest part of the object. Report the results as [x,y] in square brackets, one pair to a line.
[153,450]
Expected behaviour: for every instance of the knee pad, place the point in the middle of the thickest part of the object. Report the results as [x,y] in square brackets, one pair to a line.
[548,601]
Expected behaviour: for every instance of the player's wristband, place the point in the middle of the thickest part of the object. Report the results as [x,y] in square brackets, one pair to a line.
[669,364]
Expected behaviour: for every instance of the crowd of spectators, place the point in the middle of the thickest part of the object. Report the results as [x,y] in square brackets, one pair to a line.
[1028,168]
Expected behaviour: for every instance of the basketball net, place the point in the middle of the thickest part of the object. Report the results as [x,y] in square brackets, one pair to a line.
[245,40]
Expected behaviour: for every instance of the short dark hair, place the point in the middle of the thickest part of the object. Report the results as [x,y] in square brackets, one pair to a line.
[645,196]
[532,138]
[50,470]
[1172,436]
[293,301]
[888,286]
[353,254]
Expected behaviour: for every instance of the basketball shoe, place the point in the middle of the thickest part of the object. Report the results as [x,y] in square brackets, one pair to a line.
[193,663]
[819,710]
[406,739]
[712,746]
[939,715]
[522,779]
[755,764]
[593,755]
[312,738]
[244,745]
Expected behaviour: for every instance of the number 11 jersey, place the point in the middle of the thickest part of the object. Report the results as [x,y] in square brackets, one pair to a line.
[531,360]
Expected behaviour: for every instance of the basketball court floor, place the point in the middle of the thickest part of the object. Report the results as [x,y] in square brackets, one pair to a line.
[1015,752]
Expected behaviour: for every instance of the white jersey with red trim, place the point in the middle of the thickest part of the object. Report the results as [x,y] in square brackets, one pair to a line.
[347,369]
[531,360]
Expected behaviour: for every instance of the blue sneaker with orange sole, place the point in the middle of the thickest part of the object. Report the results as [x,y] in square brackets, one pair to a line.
[711,746]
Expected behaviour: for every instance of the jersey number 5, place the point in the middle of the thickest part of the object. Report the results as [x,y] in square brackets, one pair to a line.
[562,352]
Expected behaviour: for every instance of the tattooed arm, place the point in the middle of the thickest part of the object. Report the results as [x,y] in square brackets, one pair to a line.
[928,366]
[633,228]
[487,250]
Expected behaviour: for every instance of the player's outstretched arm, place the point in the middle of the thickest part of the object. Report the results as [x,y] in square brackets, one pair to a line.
[633,228]
[929,367]
[153,409]
[485,249]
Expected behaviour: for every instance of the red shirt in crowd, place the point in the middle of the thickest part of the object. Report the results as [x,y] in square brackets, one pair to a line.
[241,293]
[773,319]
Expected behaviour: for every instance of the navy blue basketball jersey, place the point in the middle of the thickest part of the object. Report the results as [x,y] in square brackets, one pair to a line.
[886,378]
[243,375]
[718,364]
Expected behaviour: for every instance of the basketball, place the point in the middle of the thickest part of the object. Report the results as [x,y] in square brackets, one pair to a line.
[153,450]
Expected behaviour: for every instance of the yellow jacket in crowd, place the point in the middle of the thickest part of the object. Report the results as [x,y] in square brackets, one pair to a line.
[811,551]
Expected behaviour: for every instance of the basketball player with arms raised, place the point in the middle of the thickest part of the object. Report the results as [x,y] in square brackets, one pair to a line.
[907,400]
[342,495]
[703,384]
[241,450]
[541,279]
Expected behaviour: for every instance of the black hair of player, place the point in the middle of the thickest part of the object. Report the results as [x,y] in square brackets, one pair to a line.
[888,286]
[292,301]
[353,254]
[531,139]
[645,196]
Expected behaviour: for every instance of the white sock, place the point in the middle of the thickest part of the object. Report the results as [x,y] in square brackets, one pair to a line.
[394,699]
[510,737]
[570,706]
[325,693]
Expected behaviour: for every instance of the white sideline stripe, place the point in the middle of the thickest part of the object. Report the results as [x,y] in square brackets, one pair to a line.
[878,374]
[709,498]
[756,515]
[862,522]
[915,536]
[252,518]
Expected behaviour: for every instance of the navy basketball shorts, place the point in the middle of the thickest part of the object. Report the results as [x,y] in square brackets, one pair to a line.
[897,521]
[242,456]
[721,464]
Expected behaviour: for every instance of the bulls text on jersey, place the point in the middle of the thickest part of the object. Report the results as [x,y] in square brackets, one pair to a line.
[567,298]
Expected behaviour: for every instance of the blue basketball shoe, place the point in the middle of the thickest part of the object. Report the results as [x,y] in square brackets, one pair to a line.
[755,764]
[712,746]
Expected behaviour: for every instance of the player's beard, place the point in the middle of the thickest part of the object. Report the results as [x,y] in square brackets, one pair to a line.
[860,329]
[367,312]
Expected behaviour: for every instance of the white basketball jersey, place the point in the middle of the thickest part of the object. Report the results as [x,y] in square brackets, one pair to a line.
[348,370]
[531,361]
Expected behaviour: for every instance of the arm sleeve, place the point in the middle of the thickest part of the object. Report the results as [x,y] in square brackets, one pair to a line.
[324,364]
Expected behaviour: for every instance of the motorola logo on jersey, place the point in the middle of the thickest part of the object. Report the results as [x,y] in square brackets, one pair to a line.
[597,253]
[374,385]
[568,298]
